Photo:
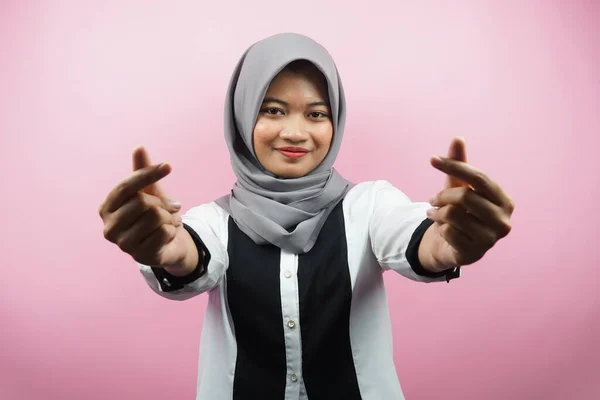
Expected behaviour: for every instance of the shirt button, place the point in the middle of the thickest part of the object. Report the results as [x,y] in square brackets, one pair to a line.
[293,378]
[291,324]
[288,274]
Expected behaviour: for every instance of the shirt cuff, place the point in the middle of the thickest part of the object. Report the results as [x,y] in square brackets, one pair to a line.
[412,255]
[171,283]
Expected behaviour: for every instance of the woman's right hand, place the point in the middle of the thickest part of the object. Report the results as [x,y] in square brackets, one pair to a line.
[144,222]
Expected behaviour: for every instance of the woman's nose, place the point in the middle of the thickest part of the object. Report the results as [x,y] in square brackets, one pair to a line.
[294,131]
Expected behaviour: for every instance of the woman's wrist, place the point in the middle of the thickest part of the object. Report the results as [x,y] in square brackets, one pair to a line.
[190,261]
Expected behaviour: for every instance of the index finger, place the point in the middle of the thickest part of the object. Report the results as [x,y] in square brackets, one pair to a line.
[135,182]
[478,179]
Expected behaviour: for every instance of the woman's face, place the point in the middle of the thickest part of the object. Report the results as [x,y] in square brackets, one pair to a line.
[293,131]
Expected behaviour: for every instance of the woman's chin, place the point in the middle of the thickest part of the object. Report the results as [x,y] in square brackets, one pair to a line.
[290,171]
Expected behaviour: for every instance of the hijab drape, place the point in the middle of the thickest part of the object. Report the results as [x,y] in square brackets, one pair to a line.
[288,213]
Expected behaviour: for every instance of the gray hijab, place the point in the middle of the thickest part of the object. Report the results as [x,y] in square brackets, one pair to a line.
[288,213]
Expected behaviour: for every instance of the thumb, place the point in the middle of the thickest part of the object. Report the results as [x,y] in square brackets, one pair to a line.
[141,159]
[458,152]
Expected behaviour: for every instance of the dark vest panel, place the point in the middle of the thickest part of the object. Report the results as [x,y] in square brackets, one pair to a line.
[253,293]
[325,299]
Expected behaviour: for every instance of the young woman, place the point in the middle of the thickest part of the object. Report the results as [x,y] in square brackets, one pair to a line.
[293,258]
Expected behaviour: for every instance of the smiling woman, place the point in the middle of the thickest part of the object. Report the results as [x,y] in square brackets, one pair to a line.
[293,130]
[293,257]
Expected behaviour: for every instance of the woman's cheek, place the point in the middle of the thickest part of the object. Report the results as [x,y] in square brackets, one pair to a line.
[260,136]
[259,129]
[265,131]
[324,136]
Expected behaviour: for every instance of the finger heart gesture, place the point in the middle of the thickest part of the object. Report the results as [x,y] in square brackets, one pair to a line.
[470,214]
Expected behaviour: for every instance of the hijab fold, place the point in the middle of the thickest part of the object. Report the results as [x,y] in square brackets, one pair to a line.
[286,212]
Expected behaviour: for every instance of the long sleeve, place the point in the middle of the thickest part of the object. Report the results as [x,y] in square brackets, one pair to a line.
[205,225]
[396,228]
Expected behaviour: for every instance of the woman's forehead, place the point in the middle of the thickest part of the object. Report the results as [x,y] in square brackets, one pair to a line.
[313,86]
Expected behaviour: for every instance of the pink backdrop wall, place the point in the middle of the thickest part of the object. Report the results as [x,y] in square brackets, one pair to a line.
[83,82]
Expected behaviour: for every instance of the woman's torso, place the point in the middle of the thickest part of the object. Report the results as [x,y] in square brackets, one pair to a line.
[287,326]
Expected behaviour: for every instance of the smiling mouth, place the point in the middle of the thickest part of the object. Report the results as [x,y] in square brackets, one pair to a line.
[293,152]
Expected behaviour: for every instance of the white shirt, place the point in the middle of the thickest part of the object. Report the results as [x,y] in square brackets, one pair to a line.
[340,289]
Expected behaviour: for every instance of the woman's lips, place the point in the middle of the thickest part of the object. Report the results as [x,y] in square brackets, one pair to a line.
[293,152]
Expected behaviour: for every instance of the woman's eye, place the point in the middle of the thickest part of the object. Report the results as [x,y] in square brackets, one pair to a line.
[272,111]
[317,114]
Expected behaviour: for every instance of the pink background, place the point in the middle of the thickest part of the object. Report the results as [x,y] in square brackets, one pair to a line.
[82,83]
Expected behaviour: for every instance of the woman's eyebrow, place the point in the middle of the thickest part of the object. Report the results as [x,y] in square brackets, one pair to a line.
[276,100]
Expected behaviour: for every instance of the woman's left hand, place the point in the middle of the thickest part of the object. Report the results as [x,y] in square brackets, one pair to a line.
[471,213]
